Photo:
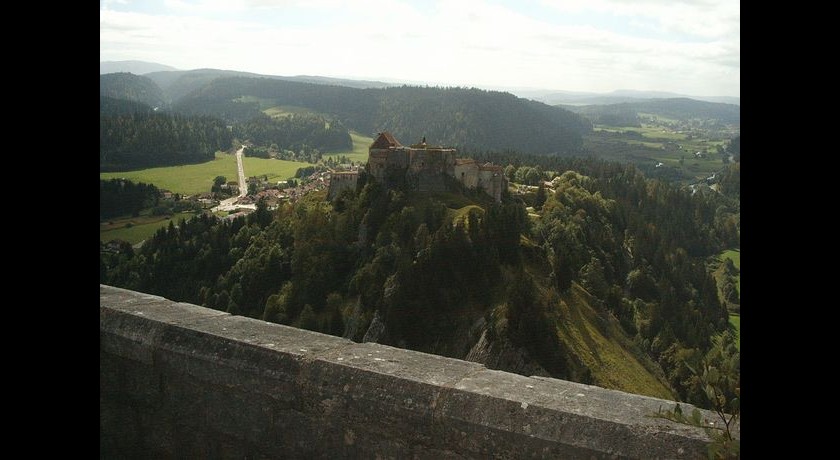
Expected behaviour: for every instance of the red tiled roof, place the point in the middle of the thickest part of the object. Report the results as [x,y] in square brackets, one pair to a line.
[385,141]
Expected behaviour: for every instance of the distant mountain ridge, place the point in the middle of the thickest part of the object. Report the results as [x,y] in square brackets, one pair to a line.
[135,67]
[163,75]
[680,108]
[179,83]
[614,97]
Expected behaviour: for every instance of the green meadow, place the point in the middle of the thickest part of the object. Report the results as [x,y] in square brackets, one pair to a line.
[136,229]
[198,178]
[276,170]
[183,179]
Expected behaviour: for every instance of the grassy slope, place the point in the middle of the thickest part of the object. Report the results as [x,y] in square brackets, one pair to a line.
[735,320]
[361,143]
[602,346]
[142,228]
[359,154]
[193,179]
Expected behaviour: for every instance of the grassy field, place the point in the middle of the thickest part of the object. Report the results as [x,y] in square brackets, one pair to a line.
[735,320]
[658,144]
[278,111]
[461,213]
[141,228]
[265,104]
[193,179]
[186,179]
[275,169]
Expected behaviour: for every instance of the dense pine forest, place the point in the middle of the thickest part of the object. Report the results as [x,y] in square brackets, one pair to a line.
[141,140]
[130,87]
[121,197]
[455,275]
[297,133]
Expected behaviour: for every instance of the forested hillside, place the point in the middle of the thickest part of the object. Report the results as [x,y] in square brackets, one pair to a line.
[470,119]
[612,268]
[122,197]
[460,117]
[298,133]
[131,87]
[158,139]
[109,106]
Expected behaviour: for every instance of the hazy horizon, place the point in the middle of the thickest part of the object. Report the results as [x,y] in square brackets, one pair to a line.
[687,47]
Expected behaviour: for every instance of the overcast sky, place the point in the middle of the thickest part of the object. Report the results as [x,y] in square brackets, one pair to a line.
[684,46]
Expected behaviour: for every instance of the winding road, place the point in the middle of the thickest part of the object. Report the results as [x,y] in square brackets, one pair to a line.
[243,186]
[230,203]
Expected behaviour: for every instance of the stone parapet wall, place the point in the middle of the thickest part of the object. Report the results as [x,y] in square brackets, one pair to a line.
[183,381]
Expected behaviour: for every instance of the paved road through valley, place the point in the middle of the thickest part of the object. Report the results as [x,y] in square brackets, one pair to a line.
[243,186]
[228,204]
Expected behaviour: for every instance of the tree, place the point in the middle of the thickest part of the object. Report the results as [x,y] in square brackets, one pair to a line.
[510,170]
[217,184]
[533,176]
[539,200]
[307,318]
[719,376]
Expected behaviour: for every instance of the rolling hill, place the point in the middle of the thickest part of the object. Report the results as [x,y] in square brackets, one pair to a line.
[553,97]
[178,84]
[130,87]
[470,119]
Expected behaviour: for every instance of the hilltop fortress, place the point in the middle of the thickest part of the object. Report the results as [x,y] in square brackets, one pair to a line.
[422,168]
[425,168]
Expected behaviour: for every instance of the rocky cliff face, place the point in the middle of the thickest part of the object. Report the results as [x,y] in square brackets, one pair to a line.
[501,354]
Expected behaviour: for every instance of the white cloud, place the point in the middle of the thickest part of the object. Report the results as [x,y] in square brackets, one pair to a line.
[467,43]
[702,18]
